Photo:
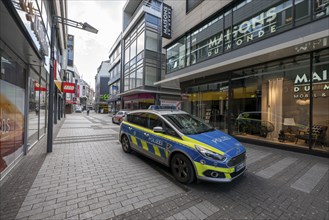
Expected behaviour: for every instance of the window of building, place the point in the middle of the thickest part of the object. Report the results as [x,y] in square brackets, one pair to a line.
[150,75]
[152,40]
[127,56]
[321,8]
[140,43]
[139,77]
[176,55]
[191,4]
[133,49]
[126,83]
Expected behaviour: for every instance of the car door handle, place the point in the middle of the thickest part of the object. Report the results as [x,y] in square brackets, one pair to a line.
[130,128]
[146,134]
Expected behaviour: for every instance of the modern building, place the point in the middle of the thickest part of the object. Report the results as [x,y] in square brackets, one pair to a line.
[114,101]
[86,95]
[101,87]
[255,69]
[142,58]
[25,32]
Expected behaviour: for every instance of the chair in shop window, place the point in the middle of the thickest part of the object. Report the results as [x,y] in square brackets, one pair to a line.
[318,135]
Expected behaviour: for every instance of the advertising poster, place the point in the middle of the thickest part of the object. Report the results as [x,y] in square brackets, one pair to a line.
[11,123]
[70,50]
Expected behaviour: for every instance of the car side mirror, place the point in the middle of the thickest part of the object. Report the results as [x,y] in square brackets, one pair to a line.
[158,129]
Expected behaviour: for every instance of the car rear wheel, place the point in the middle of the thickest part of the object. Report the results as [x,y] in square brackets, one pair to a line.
[125,144]
[113,121]
[182,169]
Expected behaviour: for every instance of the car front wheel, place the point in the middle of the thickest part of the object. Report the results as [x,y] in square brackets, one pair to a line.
[125,144]
[182,169]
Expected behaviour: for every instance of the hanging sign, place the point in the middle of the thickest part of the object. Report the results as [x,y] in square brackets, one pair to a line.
[166,21]
[68,87]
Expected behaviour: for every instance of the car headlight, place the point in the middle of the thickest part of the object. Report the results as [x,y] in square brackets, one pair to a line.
[209,154]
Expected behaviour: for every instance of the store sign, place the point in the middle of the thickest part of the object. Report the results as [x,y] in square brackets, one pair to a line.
[244,32]
[36,25]
[320,85]
[68,87]
[104,97]
[166,21]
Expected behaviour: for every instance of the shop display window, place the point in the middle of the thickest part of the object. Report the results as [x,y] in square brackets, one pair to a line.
[279,102]
[34,108]
[12,104]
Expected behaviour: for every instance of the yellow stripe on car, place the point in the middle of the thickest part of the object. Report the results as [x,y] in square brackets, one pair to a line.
[133,139]
[144,144]
[157,151]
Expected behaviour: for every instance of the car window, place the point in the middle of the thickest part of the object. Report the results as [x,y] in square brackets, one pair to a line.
[154,121]
[187,124]
[138,119]
[170,131]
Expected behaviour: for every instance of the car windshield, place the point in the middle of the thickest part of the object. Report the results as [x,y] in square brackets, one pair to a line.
[187,124]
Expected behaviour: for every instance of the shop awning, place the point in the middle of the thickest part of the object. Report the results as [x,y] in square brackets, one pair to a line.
[58,85]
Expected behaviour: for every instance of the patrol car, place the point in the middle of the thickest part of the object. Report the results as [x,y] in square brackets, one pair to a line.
[191,148]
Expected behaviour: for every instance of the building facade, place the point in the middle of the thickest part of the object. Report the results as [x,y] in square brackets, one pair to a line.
[142,58]
[86,95]
[101,87]
[25,33]
[255,69]
[114,101]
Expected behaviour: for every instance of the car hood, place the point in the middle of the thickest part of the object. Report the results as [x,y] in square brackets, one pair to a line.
[221,141]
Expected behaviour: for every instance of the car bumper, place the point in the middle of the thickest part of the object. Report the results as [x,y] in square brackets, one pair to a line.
[218,174]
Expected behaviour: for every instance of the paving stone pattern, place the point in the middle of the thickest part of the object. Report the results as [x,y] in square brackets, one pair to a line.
[89,177]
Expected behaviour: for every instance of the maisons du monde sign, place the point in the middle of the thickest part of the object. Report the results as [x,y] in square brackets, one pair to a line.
[244,32]
[320,84]
[166,21]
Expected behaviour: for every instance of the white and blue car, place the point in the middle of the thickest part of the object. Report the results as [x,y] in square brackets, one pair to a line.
[191,148]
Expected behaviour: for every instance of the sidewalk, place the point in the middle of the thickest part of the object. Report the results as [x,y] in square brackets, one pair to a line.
[15,186]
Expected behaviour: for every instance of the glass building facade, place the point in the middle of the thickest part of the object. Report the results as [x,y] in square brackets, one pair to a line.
[143,63]
[280,102]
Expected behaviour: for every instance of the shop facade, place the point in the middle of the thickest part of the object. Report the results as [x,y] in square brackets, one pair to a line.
[258,71]
[24,78]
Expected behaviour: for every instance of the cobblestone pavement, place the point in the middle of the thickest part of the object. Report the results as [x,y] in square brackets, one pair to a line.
[87,176]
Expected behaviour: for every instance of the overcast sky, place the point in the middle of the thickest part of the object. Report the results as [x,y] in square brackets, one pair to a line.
[91,49]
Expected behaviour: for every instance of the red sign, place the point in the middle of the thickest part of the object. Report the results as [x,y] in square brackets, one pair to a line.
[38,87]
[68,87]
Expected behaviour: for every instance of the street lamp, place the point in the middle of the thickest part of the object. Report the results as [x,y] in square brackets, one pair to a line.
[56,19]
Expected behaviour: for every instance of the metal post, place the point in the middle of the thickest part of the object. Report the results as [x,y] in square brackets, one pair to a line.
[51,90]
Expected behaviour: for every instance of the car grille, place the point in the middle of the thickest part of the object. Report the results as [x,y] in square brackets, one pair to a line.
[237,160]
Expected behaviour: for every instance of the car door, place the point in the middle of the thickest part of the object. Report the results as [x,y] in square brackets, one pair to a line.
[137,123]
[155,140]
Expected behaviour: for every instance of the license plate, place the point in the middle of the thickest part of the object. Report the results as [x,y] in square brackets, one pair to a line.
[240,166]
